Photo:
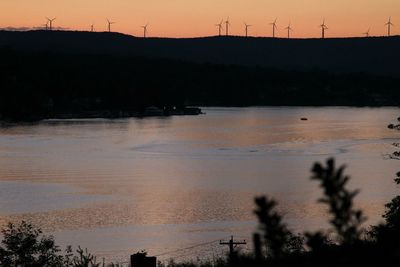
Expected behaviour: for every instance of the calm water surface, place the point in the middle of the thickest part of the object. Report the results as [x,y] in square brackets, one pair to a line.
[162,184]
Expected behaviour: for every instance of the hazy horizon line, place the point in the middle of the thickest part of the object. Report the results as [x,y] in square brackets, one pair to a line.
[64,29]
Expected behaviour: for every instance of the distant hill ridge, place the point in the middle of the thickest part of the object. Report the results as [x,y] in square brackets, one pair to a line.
[375,55]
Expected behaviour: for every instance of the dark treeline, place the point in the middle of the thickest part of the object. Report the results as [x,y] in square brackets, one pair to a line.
[376,55]
[36,85]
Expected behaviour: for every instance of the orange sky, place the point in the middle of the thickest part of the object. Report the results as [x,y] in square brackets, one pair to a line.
[188,18]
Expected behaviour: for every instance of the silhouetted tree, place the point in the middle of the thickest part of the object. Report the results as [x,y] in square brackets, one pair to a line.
[387,234]
[392,214]
[83,259]
[24,245]
[346,220]
[278,239]
[395,154]
[318,241]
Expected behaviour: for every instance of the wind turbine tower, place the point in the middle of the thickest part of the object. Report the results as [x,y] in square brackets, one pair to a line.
[323,28]
[145,30]
[289,29]
[109,24]
[367,33]
[50,21]
[46,26]
[92,28]
[389,24]
[274,27]
[227,23]
[247,26]
[219,27]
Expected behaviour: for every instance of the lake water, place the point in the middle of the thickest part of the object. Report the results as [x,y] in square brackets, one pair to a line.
[165,184]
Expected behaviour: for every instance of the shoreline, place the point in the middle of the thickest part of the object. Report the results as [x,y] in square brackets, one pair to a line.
[188,111]
[108,114]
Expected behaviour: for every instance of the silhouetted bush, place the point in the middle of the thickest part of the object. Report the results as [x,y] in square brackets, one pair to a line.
[345,219]
[278,239]
[387,234]
[24,245]
[83,259]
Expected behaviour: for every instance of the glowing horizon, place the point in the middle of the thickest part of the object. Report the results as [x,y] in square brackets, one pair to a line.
[190,18]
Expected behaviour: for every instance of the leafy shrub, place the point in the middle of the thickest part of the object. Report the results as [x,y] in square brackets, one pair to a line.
[24,245]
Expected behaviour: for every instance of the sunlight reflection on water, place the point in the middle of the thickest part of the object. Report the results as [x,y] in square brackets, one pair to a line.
[89,180]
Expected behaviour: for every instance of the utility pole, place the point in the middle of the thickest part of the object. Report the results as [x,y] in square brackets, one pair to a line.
[232,244]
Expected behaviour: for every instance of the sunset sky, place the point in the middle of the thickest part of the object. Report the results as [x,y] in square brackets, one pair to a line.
[189,18]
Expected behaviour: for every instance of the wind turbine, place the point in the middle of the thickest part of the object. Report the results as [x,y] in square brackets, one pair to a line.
[289,29]
[144,30]
[367,32]
[247,28]
[323,28]
[220,28]
[389,24]
[50,21]
[45,26]
[227,23]
[109,24]
[273,27]
[92,28]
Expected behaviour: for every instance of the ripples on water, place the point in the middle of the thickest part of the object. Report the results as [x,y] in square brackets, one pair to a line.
[117,186]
